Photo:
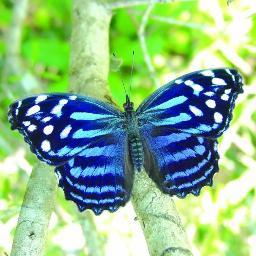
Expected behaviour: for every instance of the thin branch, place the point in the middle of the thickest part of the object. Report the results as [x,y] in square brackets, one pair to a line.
[94,241]
[141,35]
[126,4]
[172,21]
[12,63]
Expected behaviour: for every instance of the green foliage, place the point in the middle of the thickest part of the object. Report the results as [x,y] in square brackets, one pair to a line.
[180,37]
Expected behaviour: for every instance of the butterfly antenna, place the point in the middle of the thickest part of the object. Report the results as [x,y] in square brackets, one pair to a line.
[114,55]
[124,87]
[131,75]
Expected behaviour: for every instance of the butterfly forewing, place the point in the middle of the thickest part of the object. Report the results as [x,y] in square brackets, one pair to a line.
[199,103]
[58,126]
[179,126]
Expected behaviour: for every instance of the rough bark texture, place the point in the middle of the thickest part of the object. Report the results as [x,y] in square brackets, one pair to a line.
[36,209]
[90,48]
[159,219]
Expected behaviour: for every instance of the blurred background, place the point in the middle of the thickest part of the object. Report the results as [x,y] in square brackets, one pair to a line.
[169,40]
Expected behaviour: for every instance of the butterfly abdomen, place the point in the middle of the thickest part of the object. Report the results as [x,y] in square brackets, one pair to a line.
[136,151]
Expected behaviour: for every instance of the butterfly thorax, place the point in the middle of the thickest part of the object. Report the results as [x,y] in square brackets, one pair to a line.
[134,139]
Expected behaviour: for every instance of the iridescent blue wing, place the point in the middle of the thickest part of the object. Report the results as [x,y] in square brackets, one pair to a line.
[200,103]
[100,177]
[180,163]
[60,128]
[179,125]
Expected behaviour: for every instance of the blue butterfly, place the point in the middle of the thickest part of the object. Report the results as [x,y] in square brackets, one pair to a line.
[96,148]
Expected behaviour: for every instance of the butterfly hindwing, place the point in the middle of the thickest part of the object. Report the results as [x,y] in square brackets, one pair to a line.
[100,177]
[180,163]
[199,103]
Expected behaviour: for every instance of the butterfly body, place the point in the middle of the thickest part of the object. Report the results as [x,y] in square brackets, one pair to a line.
[96,148]
[134,138]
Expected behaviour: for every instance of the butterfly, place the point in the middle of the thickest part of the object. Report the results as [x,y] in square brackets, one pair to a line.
[96,148]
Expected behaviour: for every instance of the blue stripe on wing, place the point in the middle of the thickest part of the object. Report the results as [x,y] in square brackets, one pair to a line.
[99,177]
[180,163]
[199,103]
[59,126]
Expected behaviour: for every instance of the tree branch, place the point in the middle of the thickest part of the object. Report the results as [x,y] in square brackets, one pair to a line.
[36,209]
[159,219]
[12,63]
[125,4]
[90,48]
[141,35]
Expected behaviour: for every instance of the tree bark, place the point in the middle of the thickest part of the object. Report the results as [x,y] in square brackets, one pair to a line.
[90,48]
[36,210]
[159,219]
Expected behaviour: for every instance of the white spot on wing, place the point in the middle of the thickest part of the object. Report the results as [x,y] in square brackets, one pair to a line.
[196,87]
[210,103]
[228,71]
[218,81]
[189,82]
[48,129]
[63,101]
[40,98]
[72,97]
[178,81]
[210,94]
[46,119]
[218,117]
[207,73]
[57,109]
[46,146]
[65,132]
[224,97]
[196,111]
[227,91]
[33,110]
[32,128]
[26,123]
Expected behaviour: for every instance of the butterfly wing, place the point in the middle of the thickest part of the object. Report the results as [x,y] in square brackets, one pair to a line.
[180,163]
[74,132]
[179,125]
[200,103]
[58,126]
[100,177]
